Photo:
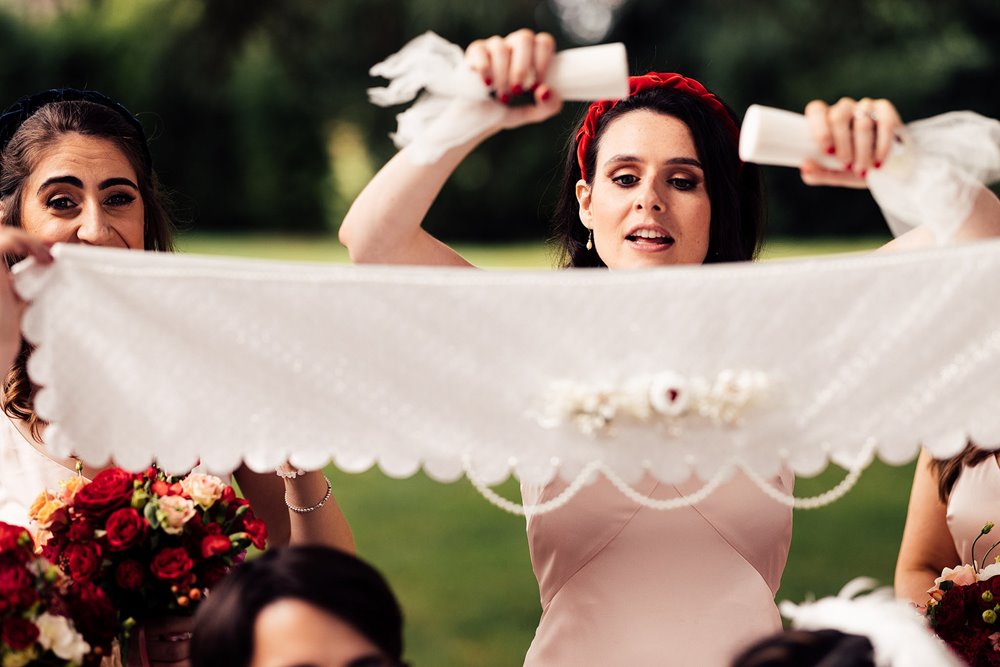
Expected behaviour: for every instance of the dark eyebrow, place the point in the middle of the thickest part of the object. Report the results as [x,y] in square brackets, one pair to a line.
[77,183]
[677,160]
[69,180]
[105,184]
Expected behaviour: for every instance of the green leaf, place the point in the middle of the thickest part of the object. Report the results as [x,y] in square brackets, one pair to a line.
[150,513]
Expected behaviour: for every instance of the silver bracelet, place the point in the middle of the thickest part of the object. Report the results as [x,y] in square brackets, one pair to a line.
[311,508]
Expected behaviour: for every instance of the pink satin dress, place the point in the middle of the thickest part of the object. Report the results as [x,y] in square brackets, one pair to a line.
[622,584]
[974,500]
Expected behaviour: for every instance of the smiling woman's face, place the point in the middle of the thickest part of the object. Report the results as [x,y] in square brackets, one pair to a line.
[84,190]
[648,205]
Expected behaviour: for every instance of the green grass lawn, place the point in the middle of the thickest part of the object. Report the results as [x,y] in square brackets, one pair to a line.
[460,566]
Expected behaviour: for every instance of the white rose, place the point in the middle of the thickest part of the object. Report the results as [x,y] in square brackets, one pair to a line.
[57,634]
[203,489]
[989,571]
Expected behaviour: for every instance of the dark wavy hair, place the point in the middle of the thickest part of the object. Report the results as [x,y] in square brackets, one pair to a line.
[331,580]
[41,130]
[809,648]
[735,189]
[949,470]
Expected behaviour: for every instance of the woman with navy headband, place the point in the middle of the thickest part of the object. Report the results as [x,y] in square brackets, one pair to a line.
[75,168]
[651,180]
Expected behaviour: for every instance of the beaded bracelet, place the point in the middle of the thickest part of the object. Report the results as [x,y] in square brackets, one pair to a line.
[311,508]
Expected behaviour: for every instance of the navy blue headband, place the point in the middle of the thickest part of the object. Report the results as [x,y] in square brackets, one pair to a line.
[24,108]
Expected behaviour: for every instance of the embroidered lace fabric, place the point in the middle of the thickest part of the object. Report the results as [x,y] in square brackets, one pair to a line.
[177,358]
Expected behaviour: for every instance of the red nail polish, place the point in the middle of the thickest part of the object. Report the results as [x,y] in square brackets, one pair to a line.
[849,166]
[516,89]
[546,95]
[878,165]
[534,87]
[864,172]
[830,150]
[505,98]
[488,81]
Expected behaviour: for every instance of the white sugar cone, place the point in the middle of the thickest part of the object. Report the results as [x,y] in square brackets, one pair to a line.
[780,138]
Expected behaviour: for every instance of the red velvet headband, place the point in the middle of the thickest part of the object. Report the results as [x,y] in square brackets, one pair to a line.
[637,84]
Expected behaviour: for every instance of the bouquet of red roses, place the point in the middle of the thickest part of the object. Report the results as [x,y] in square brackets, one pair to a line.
[43,619]
[152,542]
[965,607]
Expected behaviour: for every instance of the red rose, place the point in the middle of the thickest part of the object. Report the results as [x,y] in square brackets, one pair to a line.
[93,614]
[19,633]
[17,586]
[176,489]
[14,538]
[171,563]
[80,530]
[150,473]
[109,490]
[215,545]
[256,529]
[228,494]
[126,528]
[129,575]
[160,488]
[82,559]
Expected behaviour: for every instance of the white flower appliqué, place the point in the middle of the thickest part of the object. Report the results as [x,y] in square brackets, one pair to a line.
[668,398]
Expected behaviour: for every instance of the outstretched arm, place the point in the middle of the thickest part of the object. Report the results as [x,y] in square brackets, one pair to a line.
[383,225]
[860,134]
[273,497]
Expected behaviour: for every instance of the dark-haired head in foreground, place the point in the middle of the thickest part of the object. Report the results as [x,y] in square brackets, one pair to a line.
[809,648]
[300,607]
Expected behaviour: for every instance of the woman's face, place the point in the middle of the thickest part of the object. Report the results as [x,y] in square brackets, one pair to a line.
[84,190]
[293,633]
[648,205]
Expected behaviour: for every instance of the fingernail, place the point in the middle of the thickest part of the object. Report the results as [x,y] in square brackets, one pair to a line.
[830,150]
[488,81]
[849,166]
[516,89]
[505,98]
[534,87]
[546,95]
[864,172]
[878,164]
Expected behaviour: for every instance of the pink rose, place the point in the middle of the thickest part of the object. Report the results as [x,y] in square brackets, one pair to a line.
[963,575]
[173,512]
[203,489]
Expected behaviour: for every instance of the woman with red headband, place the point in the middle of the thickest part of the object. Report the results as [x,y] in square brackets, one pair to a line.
[651,180]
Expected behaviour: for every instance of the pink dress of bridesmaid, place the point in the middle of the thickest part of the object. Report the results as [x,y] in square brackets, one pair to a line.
[974,500]
[622,584]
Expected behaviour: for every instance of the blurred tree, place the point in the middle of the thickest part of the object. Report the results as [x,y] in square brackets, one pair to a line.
[260,120]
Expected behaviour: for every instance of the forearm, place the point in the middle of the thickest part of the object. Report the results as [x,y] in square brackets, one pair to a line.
[383,225]
[982,222]
[325,525]
[912,583]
